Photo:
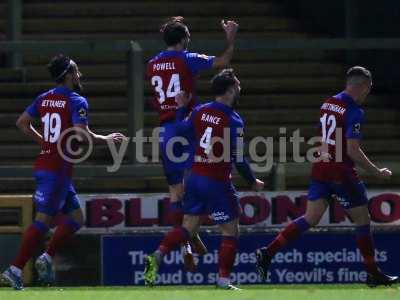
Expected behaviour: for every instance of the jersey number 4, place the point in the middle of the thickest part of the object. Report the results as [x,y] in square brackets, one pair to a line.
[205,141]
[51,127]
[328,123]
[174,87]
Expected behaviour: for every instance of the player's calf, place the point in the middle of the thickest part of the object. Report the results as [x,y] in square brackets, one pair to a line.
[188,258]
[226,259]
[198,245]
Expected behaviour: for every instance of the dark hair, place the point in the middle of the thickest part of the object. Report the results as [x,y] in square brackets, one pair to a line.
[59,66]
[174,30]
[223,81]
[357,73]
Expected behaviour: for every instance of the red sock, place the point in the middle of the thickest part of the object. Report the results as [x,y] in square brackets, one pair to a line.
[175,213]
[287,235]
[226,256]
[366,245]
[63,234]
[173,239]
[31,240]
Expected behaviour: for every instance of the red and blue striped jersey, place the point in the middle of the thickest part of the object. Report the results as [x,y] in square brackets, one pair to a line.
[58,110]
[170,72]
[341,118]
[218,132]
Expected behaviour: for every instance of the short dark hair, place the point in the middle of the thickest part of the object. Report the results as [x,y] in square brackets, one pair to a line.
[59,66]
[357,74]
[223,81]
[174,30]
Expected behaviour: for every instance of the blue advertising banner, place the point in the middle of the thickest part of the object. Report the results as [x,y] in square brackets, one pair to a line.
[315,258]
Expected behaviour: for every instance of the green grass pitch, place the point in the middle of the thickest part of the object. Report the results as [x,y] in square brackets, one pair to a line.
[265,292]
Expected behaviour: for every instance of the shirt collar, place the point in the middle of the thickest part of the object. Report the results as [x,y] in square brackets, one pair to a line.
[223,106]
[346,97]
[63,89]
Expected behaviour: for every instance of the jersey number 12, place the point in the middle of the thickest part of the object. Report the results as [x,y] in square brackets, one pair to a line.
[328,123]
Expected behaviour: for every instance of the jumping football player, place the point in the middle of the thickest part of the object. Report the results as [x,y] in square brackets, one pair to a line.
[170,72]
[58,109]
[209,188]
[334,174]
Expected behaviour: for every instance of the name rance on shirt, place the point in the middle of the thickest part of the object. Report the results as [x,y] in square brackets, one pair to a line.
[210,119]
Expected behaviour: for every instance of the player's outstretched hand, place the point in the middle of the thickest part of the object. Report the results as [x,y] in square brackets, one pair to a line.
[258,186]
[230,28]
[182,99]
[116,137]
[384,173]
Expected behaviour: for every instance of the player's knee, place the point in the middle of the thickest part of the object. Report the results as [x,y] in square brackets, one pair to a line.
[191,224]
[44,218]
[313,218]
[80,220]
[359,215]
[362,219]
[190,229]
[77,216]
[176,192]
[230,229]
[179,194]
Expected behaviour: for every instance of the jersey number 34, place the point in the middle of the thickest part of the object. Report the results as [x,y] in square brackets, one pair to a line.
[174,87]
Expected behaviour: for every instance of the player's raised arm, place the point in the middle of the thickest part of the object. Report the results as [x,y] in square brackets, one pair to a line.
[360,158]
[24,123]
[230,28]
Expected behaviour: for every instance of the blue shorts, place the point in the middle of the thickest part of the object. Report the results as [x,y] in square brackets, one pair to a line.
[54,193]
[204,195]
[174,171]
[349,194]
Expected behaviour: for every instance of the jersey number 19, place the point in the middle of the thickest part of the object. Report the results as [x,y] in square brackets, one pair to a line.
[51,127]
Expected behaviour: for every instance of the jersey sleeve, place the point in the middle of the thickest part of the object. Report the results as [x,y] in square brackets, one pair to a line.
[354,121]
[237,152]
[79,111]
[32,109]
[199,62]
[185,126]
[181,112]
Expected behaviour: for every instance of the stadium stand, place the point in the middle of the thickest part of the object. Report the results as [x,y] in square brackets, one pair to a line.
[280,88]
